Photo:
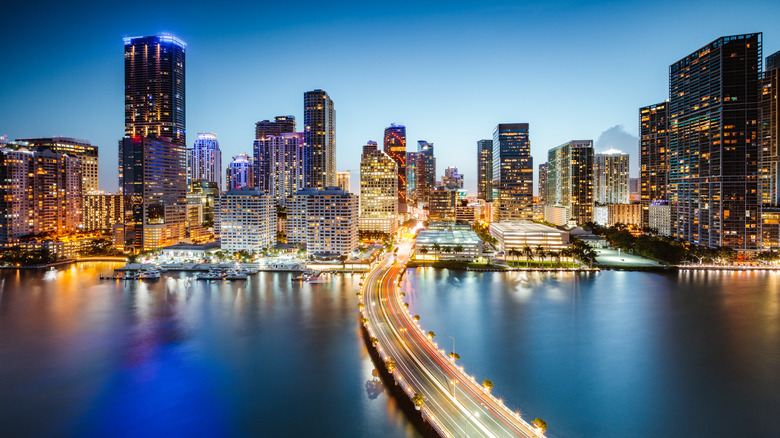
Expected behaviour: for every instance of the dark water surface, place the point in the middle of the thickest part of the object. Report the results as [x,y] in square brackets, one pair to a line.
[612,354]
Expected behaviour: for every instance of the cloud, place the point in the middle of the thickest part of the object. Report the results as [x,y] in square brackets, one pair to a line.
[617,137]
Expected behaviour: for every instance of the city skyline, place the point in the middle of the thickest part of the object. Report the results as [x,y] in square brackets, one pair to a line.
[534,87]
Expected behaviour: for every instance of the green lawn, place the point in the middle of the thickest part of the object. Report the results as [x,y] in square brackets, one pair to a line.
[540,264]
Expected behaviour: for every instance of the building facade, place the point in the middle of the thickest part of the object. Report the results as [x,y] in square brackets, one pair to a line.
[611,177]
[343,180]
[653,155]
[281,163]
[40,192]
[713,143]
[319,119]
[280,125]
[74,147]
[513,172]
[204,160]
[325,221]
[425,174]
[395,147]
[452,179]
[543,183]
[152,179]
[248,220]
[769,176]
[659,217]
[443,204]
[240,173]
[155,88]
[519,234]
[102,211]
[378,192]
[570,179]
[485,170]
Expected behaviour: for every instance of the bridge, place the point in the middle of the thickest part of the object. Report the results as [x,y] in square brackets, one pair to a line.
[455,405]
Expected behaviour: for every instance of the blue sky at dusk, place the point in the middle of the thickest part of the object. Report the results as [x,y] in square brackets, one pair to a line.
[449,71]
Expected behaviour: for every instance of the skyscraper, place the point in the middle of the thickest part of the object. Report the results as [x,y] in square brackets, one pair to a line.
[152,156]
[280,163]
[485,170]
[74,147]
[543,183]
[154,87]
[611,177]
[248,220]
[570,179]
[240,173]
[653,156]
[326,221]
[452,179]
[395,147]
[280,125]
[513,172]
[319,119]
[713,143]
[411,176]
[343,180]
[378,192]
[153,182]
[205,160]
[769,171]
[425,177]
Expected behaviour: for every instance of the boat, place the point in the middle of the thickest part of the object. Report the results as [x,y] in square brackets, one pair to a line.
[305,275]
[131,275]
[151,274]
[236,274]
[211,275]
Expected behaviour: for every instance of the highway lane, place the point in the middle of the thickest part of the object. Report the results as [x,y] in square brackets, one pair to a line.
[461,409]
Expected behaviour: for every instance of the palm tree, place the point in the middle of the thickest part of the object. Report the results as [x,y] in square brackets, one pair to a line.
[541,253]
[541,424]
[529,254]
[431,335]
[436,247]
[458,248]
[418,400]
[390,365]
[416,318]
[454,355]
[487,385]
[513,252]
[374,341]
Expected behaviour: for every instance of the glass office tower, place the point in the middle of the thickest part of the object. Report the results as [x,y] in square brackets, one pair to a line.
[513,172]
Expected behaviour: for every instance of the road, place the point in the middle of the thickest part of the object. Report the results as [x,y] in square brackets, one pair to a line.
[455,403]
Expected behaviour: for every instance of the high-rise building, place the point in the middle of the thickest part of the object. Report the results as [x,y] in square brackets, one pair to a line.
[40,192]
[325,221]
[653,156]
[207,193]
[452,179]
[102,211]
[395,147]
[411,176]
[280,163]
[485,170]
[153,182]
[570,179]
[713,143]
[443,205]
[247,220]
[154,88]
[769,170]
[204,160]
[378,192]
[280,125]
[611,177]
[513,172]
[543,186]
[74,147]
[425,176]
[319,119]
[240,173]
[343,180]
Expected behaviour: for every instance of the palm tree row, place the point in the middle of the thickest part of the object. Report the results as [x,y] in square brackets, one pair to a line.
[563,256]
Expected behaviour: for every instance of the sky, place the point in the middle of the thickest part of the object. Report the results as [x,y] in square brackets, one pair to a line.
[448,70]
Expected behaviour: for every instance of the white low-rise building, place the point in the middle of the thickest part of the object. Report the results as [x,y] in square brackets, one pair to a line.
[247,220]
[660,217]
[519,234]
[447,244]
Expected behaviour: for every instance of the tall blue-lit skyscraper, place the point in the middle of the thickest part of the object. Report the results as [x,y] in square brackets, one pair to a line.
[513,171]
[155,87]
[204,160]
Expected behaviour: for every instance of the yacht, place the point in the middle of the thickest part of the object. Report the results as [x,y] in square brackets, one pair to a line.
[211,275]
[151,274]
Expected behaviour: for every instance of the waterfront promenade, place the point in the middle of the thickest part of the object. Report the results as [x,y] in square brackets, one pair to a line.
[454,403]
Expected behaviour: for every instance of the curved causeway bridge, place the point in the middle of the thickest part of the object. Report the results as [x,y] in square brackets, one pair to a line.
[454,403]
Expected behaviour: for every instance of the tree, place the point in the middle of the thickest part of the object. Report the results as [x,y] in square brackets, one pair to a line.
[431,335]
[487,385]
[416,318]
[374,341]
[418,400]
[390,366]
[458,248]
[529,254]
[436,248]
[541,253]
[423,250]
[454,355]
[541,424]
